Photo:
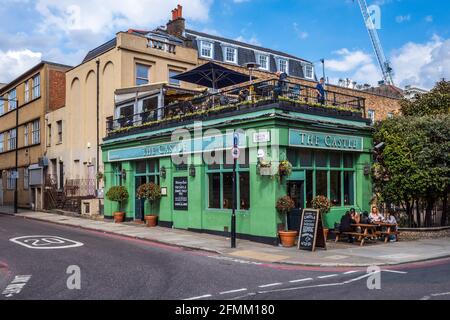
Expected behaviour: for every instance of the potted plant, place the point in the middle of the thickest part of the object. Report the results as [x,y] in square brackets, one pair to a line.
[118,194]
[152,193]
[284,206]
[284,169]
[322,204]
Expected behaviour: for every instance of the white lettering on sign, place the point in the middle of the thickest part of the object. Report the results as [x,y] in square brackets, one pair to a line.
[46,242]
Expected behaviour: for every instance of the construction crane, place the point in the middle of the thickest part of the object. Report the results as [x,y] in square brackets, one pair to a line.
[386,68]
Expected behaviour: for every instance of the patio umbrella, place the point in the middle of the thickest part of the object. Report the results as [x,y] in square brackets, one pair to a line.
[212,75]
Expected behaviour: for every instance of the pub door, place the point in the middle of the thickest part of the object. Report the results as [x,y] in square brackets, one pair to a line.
[296,192]
[139,207]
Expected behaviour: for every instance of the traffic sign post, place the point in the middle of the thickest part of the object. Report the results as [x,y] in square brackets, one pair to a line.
[235,153]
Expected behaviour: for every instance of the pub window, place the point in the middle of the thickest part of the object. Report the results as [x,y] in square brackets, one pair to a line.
[335,188]
[331,174]
[148,169]
[220,186]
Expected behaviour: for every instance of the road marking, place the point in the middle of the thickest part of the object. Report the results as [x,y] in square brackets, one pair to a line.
[16,286]
[440,294]
[233,291]
[270,285]
[395,271]
[200,297]
[46,242]
[350,272]
[328,276]
[301,280]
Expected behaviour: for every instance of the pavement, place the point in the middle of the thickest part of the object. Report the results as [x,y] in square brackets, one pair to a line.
[337,254]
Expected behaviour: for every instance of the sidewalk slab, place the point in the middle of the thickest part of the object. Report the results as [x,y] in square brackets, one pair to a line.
[341,254]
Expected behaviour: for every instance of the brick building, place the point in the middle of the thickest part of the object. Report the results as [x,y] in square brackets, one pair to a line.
[26,100]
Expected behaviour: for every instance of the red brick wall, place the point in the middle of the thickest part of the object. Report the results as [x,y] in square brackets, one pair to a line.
[57,89]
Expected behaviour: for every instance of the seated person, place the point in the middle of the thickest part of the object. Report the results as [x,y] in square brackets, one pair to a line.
[346,224]
[365,218]
[355,216]
[391,219]
[375,216]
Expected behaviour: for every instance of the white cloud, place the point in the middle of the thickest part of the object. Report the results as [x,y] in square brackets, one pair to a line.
[99,17]
[300,33]
[13,63]
[401,19]
[422,64]
[252,40]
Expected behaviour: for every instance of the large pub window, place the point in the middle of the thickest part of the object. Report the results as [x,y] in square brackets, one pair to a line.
[331,174]
[220,186]
[148,169]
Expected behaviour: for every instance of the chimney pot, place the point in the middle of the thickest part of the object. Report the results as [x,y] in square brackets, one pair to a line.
[180,11]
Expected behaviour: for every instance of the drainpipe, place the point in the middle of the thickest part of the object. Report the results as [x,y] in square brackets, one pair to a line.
[98,120]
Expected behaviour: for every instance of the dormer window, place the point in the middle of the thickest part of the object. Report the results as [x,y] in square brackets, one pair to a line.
[230,54]
[206,49]
[309,71]
[283,65]
[263,61]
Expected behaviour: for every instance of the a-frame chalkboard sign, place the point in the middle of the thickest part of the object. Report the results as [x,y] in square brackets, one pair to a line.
[311,234]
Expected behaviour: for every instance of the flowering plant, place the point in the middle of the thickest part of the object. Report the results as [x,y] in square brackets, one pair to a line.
[149,191]
[322,204]
[283,206]
[285,168]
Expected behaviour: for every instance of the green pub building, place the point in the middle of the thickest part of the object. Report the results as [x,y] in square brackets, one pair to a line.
[329,147]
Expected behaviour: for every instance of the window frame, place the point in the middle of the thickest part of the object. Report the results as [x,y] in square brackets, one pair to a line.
[12,99]
[2,142]
[27,91]
[26,135]
[279,61]
[2,106]
[328,169]
[10,181]
[312,71]
[371,115]
[59,125]
[36,133]
[267,68]
[235,54]
[136,75]
[174,82]
[211,49]
[49,135]
[36,89]
[12,139]
[220,169]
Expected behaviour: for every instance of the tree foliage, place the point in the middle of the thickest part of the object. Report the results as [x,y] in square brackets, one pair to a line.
[413,166]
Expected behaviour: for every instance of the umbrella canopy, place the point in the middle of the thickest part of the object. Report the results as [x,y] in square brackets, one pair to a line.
[212,75]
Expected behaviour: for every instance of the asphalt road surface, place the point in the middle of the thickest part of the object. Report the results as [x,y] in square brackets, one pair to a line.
[115,267]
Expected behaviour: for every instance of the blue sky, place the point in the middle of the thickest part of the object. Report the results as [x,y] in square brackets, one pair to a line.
[415,33]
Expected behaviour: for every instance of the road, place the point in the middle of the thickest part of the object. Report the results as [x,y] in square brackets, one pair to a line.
[114,267]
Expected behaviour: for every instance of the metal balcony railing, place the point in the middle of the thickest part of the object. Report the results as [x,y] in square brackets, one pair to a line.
[269,91]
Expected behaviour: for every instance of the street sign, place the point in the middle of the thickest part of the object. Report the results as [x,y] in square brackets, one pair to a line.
[236,153]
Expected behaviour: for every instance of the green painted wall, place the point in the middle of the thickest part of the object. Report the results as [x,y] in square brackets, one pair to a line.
[262,218]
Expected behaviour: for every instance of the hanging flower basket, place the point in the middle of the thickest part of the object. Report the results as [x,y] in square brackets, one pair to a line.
[284,169]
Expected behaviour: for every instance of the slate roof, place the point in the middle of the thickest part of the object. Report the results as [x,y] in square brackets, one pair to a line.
[100,50]
[246,45]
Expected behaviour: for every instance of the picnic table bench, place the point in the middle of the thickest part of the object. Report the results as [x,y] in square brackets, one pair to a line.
[370,232]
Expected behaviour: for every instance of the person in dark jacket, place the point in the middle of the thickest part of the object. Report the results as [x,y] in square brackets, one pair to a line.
[346,224]
[281,86]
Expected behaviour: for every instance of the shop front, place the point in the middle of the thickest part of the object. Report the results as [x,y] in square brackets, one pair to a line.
[327,159]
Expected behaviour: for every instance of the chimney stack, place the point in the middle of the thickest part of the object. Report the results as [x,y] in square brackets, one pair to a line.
[177,26]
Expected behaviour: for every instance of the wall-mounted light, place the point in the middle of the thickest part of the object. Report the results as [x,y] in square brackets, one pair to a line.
[163,172]
[367,169]
[192,170]
[123,173]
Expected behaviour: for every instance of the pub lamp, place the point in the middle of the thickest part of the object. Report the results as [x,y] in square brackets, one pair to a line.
[192,170]
[123,174]
[163,172]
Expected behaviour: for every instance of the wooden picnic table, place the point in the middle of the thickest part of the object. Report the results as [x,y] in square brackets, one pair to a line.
[368,231]
[390,230]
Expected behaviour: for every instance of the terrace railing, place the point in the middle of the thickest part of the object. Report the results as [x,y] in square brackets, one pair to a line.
[270,91]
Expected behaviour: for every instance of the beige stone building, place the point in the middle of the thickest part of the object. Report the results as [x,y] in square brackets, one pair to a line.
[30,96]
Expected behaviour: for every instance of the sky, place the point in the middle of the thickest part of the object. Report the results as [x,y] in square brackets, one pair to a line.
[415,33]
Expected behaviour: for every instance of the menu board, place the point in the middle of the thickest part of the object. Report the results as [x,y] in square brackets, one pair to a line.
[311,233]
[180,194]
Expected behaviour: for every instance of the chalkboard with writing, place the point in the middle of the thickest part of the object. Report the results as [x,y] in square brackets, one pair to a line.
[311,233]
[180,193]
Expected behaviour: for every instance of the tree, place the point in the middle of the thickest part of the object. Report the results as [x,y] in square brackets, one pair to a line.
[413,167]
[437,101]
